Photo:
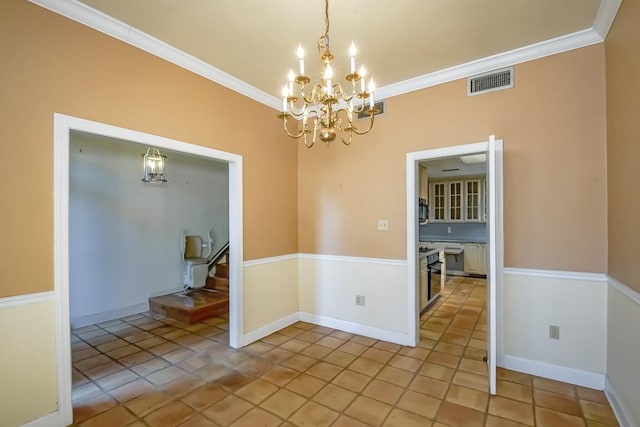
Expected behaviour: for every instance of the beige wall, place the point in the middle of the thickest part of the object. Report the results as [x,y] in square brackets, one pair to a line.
[51,64]
[623,143]
[553,126]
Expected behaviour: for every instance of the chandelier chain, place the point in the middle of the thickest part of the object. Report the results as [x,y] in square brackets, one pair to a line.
[323,40]
[326,19]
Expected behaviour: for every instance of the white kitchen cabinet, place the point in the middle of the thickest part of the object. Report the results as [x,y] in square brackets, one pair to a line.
[423,182]
[463,200]
[475,258]
[438,202]
[472,200]
[484,200]
[455,201]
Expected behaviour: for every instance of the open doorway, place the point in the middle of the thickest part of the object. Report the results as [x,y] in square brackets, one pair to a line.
[64,126]
[126,236]
[494,241]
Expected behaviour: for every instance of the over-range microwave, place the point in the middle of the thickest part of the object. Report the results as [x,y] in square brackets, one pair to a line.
[423,211]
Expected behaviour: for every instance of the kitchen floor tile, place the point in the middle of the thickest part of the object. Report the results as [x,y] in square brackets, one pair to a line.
[146,369]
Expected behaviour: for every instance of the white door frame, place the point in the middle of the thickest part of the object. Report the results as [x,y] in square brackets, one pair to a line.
[62,127]
[413,310]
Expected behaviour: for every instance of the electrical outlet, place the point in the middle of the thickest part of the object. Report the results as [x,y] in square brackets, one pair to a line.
[383,224]
[360,300]
[554,332]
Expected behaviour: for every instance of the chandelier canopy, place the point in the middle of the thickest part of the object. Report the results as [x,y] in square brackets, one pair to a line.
[328,110]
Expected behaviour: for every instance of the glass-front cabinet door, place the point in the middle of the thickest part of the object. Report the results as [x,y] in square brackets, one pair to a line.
[438,200]
[455,201]
[472,200]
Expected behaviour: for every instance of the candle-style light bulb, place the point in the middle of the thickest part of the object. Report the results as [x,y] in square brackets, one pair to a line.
[372,88]
[363,74]
[352,54]
[328,72]
[300,53]
[328,75]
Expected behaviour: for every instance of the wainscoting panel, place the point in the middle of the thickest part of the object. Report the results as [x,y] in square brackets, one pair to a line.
[576,303]
[270,294]
[27,359]
[328,286]
[623,352]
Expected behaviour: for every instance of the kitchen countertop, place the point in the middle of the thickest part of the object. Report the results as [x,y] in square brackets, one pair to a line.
[431,252]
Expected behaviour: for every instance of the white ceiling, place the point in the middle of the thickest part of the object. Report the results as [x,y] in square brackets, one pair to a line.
[249,45]
[453,166]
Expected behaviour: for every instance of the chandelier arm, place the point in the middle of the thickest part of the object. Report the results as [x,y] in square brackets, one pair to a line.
[360,108]
[348,130]
[312,96]
[338,89]
[346,141]
[357,132]
[292,135]
[346,114]
[308,144]
[302,110]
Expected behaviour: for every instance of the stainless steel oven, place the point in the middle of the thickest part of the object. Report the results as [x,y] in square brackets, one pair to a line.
[429,287]
[433,266]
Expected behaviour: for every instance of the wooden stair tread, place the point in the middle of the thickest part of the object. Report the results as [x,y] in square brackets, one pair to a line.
[191,306]
[222,270]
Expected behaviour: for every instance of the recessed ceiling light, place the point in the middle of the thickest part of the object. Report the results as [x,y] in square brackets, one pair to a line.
[472,159]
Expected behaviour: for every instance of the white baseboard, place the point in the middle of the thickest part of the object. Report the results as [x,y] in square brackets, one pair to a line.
[50,420]
[554,372]
[105,316]
[270,328]
[356,328]
[618,409]
[341,325]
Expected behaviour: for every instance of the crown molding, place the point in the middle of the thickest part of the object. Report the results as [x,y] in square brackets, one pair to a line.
[604,18]
[535,51]
[99,21]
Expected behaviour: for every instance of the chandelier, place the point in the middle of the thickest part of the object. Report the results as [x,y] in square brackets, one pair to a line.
[328,110]
[153,164]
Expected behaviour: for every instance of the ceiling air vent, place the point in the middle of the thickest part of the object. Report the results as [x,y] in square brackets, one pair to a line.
[490,82]
[378,105]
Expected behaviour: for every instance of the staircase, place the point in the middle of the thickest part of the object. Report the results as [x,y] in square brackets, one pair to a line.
[220,279]
[197,305]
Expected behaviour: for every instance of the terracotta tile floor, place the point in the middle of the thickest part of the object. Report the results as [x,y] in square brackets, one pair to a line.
[145,370]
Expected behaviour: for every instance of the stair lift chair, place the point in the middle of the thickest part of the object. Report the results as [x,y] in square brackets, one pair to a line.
[196,263]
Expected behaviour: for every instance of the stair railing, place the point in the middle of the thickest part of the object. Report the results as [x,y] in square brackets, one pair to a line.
[221,252]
